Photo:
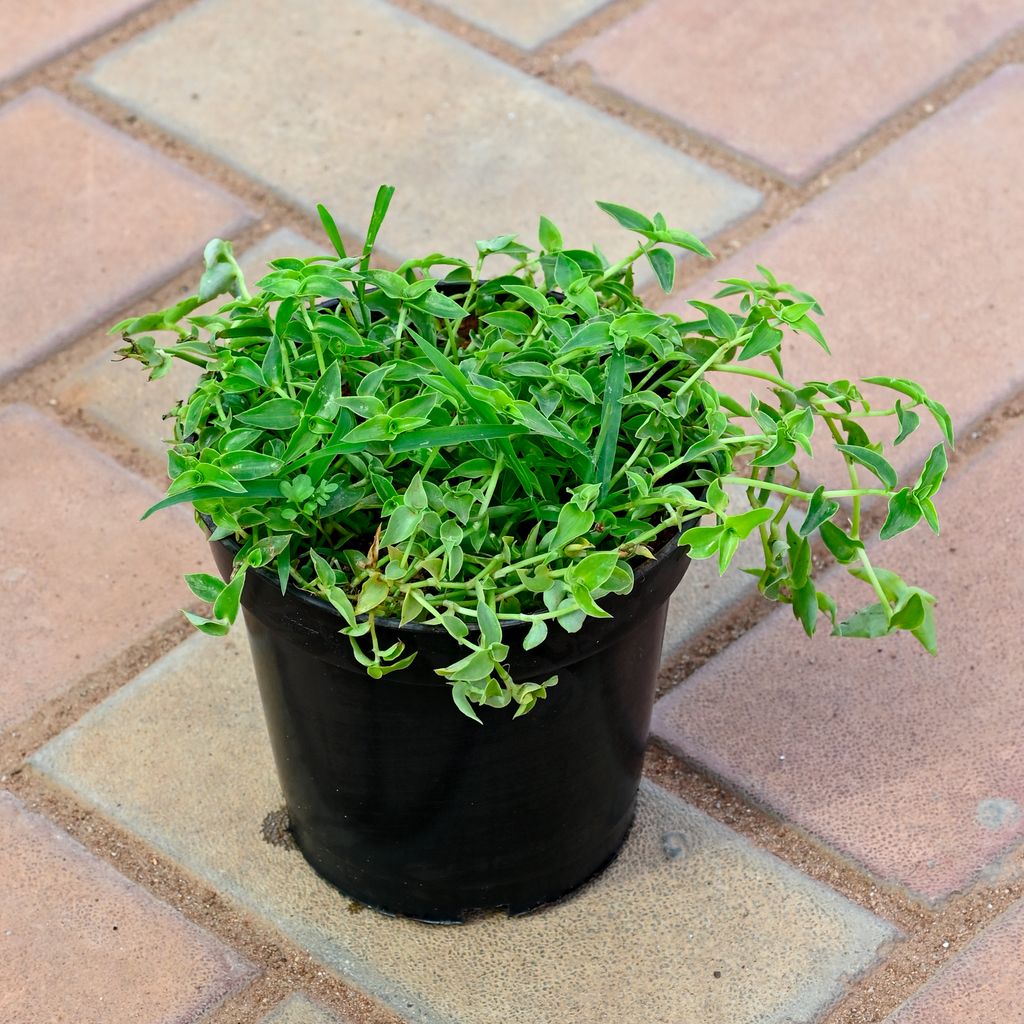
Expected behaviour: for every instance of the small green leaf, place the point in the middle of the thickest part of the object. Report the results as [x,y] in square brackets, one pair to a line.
[277,414]
[843,547]
[819,510]
[878,464]
[931,475]
[550,236]
[206,587]
[628,218]
[721,323]
[537,634]
[765,338]
[904,513]
[664,265]
[331,230]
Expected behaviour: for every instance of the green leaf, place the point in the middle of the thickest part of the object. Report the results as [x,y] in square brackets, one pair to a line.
[805,606]
[208,626]
[703,541]
[931,475]
[573,523]
[509,320]
[878,464]
[721,323]
[550,236]
[908,420]
[628,218]
[611,420]
[765,338]
[743,525]
[459,695]
[664,265]
[870,623]
[594,570]
[277,414]
[845,548]
[819,510]
[226,605]
[904,514]
[206,587]
[538,632]
[331,230]
[372,594]
[250,465]
[490,627]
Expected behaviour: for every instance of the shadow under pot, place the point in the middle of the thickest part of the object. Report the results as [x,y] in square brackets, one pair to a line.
[409,807]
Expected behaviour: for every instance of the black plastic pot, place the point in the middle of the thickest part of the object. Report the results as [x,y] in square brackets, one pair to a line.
[411,808]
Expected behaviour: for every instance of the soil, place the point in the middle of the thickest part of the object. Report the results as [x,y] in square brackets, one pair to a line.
[931,936]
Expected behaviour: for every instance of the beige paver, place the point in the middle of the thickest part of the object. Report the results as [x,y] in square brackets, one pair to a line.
[790,84]
[81,578]
[983,985]
[120,397]
[527,23]
[99,219]
[35,32]
[297,1009]
[78,942]
[180,757]
[364,93]
[911,764]
[913,258]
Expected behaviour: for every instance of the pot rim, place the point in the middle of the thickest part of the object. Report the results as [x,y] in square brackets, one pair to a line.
[311,600]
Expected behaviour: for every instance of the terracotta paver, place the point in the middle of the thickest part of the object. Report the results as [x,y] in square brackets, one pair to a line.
[99,219]
[297,1009]
[983,985]
[687,898]
[482,149]
[527,23]
[78,942]
[913,765]
[912,257]
[35,32]
[120,397]
[789,84]
[81,579]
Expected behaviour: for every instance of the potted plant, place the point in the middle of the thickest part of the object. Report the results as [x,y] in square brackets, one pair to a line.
[453,503]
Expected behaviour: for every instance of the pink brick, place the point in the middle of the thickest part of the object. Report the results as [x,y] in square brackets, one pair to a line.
[789,83]
[983,985]
[81,578]
[912,765]
[99,219]
[80,943]
[914,258]
[34,32]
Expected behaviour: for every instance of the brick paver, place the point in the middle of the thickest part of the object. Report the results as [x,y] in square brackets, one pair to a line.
[123,400]
[35,32]
[481,149]
[912,258]
[715,929]
[983,985]
[81,578]
[80,943]
[790,84]
[297,1009]
[527,23]
[99,219]
[911,764]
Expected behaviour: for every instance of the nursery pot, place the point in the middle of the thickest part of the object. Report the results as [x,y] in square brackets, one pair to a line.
[411,808]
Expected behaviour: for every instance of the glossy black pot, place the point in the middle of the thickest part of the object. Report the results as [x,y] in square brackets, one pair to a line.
[411,808]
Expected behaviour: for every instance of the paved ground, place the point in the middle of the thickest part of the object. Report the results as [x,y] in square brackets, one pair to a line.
[834,837]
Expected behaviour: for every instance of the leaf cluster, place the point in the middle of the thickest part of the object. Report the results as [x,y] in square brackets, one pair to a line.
[475,450]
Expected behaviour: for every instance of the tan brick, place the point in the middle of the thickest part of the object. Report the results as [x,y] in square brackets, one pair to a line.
[913,257]
[983,985]
[911,764]
[364,93]
[789,84]
[35,32]
[99,219]
[181,757]
[78,942]
[82,578]
[123,400]
[527,23]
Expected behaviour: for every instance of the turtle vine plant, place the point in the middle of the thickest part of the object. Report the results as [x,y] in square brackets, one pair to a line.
[477,449]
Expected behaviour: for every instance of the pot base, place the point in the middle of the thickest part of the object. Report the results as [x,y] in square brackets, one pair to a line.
[320,861]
